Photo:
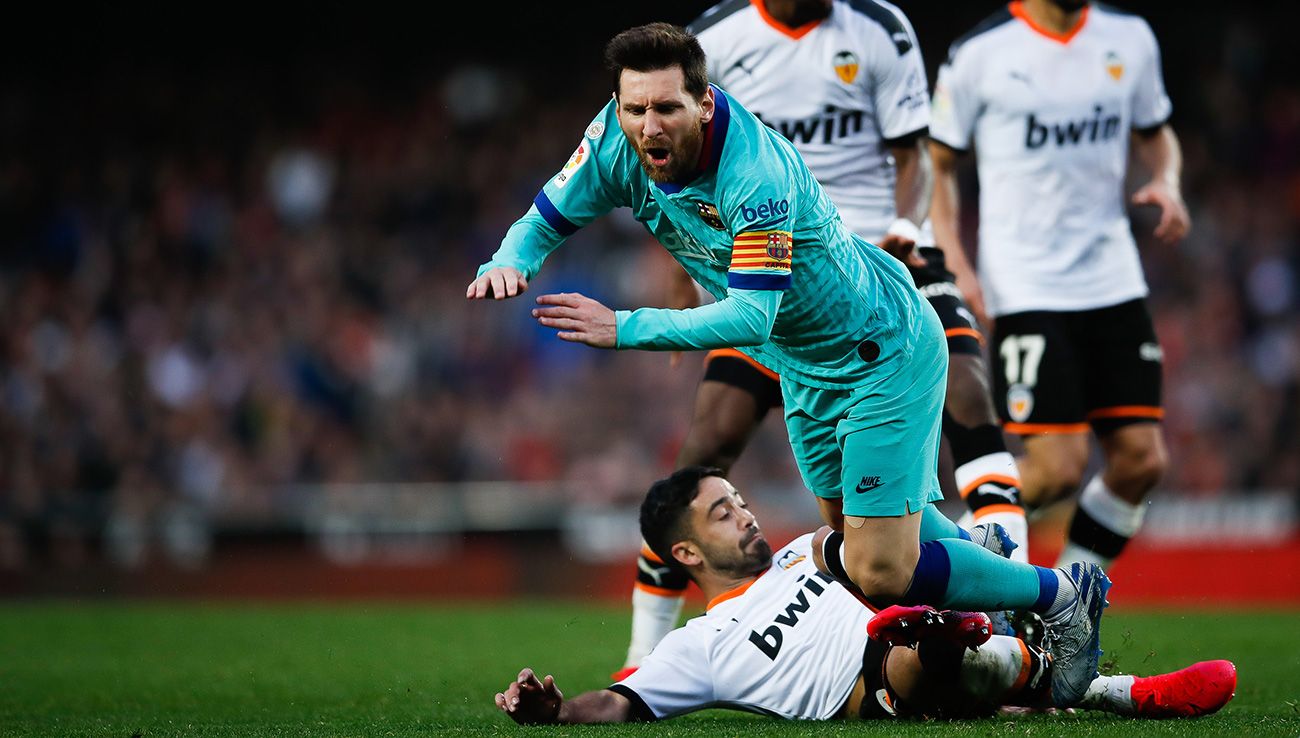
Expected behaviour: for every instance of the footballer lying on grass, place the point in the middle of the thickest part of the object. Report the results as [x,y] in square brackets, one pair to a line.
[784,639]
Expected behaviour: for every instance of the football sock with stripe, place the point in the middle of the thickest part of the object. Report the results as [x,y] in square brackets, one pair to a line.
[988,479]
[1005,671]
[934,525]
[1102,526]
[958,574]
[657,599]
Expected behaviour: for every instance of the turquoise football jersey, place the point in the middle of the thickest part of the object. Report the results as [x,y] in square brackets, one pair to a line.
[752,217]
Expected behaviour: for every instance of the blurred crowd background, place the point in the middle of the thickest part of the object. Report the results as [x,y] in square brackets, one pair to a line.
[232,268]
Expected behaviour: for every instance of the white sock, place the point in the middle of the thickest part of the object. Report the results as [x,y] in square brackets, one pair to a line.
[990,672]
[1108,510]
[999,468]
[995,478]
[653,617]
[1066,593]
[1111,694]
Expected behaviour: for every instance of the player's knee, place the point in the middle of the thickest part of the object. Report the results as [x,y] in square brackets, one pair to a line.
[970,410]
[883,586]
[1054,477]
[1063,480]
[818,549]
[711,444]
[882,580]
[968,400]
[705,452]
[714,442]
[1140,465]
[729,445]
[1053,481]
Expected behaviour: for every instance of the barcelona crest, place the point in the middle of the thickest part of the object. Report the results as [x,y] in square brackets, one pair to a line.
[778,246]
[709,213]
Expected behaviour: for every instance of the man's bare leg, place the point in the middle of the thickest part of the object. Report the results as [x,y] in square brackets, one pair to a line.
[986,474]
[1112,504]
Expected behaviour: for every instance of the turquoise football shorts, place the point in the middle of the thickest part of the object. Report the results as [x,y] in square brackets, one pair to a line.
[876,447]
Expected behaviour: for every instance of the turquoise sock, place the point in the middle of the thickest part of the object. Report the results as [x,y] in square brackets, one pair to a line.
[936,525]
[957,574]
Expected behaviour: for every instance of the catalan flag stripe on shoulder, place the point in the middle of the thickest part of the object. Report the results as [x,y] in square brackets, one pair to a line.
[760,260]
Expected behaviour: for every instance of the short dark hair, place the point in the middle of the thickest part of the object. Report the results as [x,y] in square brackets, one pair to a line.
[663,512]
[658,46]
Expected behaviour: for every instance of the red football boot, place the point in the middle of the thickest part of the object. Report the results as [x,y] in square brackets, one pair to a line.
[1200,689]
[900,625]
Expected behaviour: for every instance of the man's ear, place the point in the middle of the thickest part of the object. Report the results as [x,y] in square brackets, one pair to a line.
[686,554]
[707,105]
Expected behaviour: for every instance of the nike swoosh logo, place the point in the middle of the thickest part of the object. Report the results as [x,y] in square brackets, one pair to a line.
[866,485]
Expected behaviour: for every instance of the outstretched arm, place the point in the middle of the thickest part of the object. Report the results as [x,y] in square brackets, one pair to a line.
[743,318]
[1161,154]
[526,245]
[529,701]
[580,193]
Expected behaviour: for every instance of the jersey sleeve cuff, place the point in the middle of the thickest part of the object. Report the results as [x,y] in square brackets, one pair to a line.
[641,712]
[953,146]
[1148,131]
[620,319]
[907,139]
[489,266]
[752,281]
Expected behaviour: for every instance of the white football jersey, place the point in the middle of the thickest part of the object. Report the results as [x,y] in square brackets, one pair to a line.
[790,645]
[840,89]
[1049,117]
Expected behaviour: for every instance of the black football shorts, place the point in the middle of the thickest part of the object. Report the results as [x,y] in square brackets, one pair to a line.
[1063,372]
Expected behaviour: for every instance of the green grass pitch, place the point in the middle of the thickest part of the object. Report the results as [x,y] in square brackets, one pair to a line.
[155,669]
